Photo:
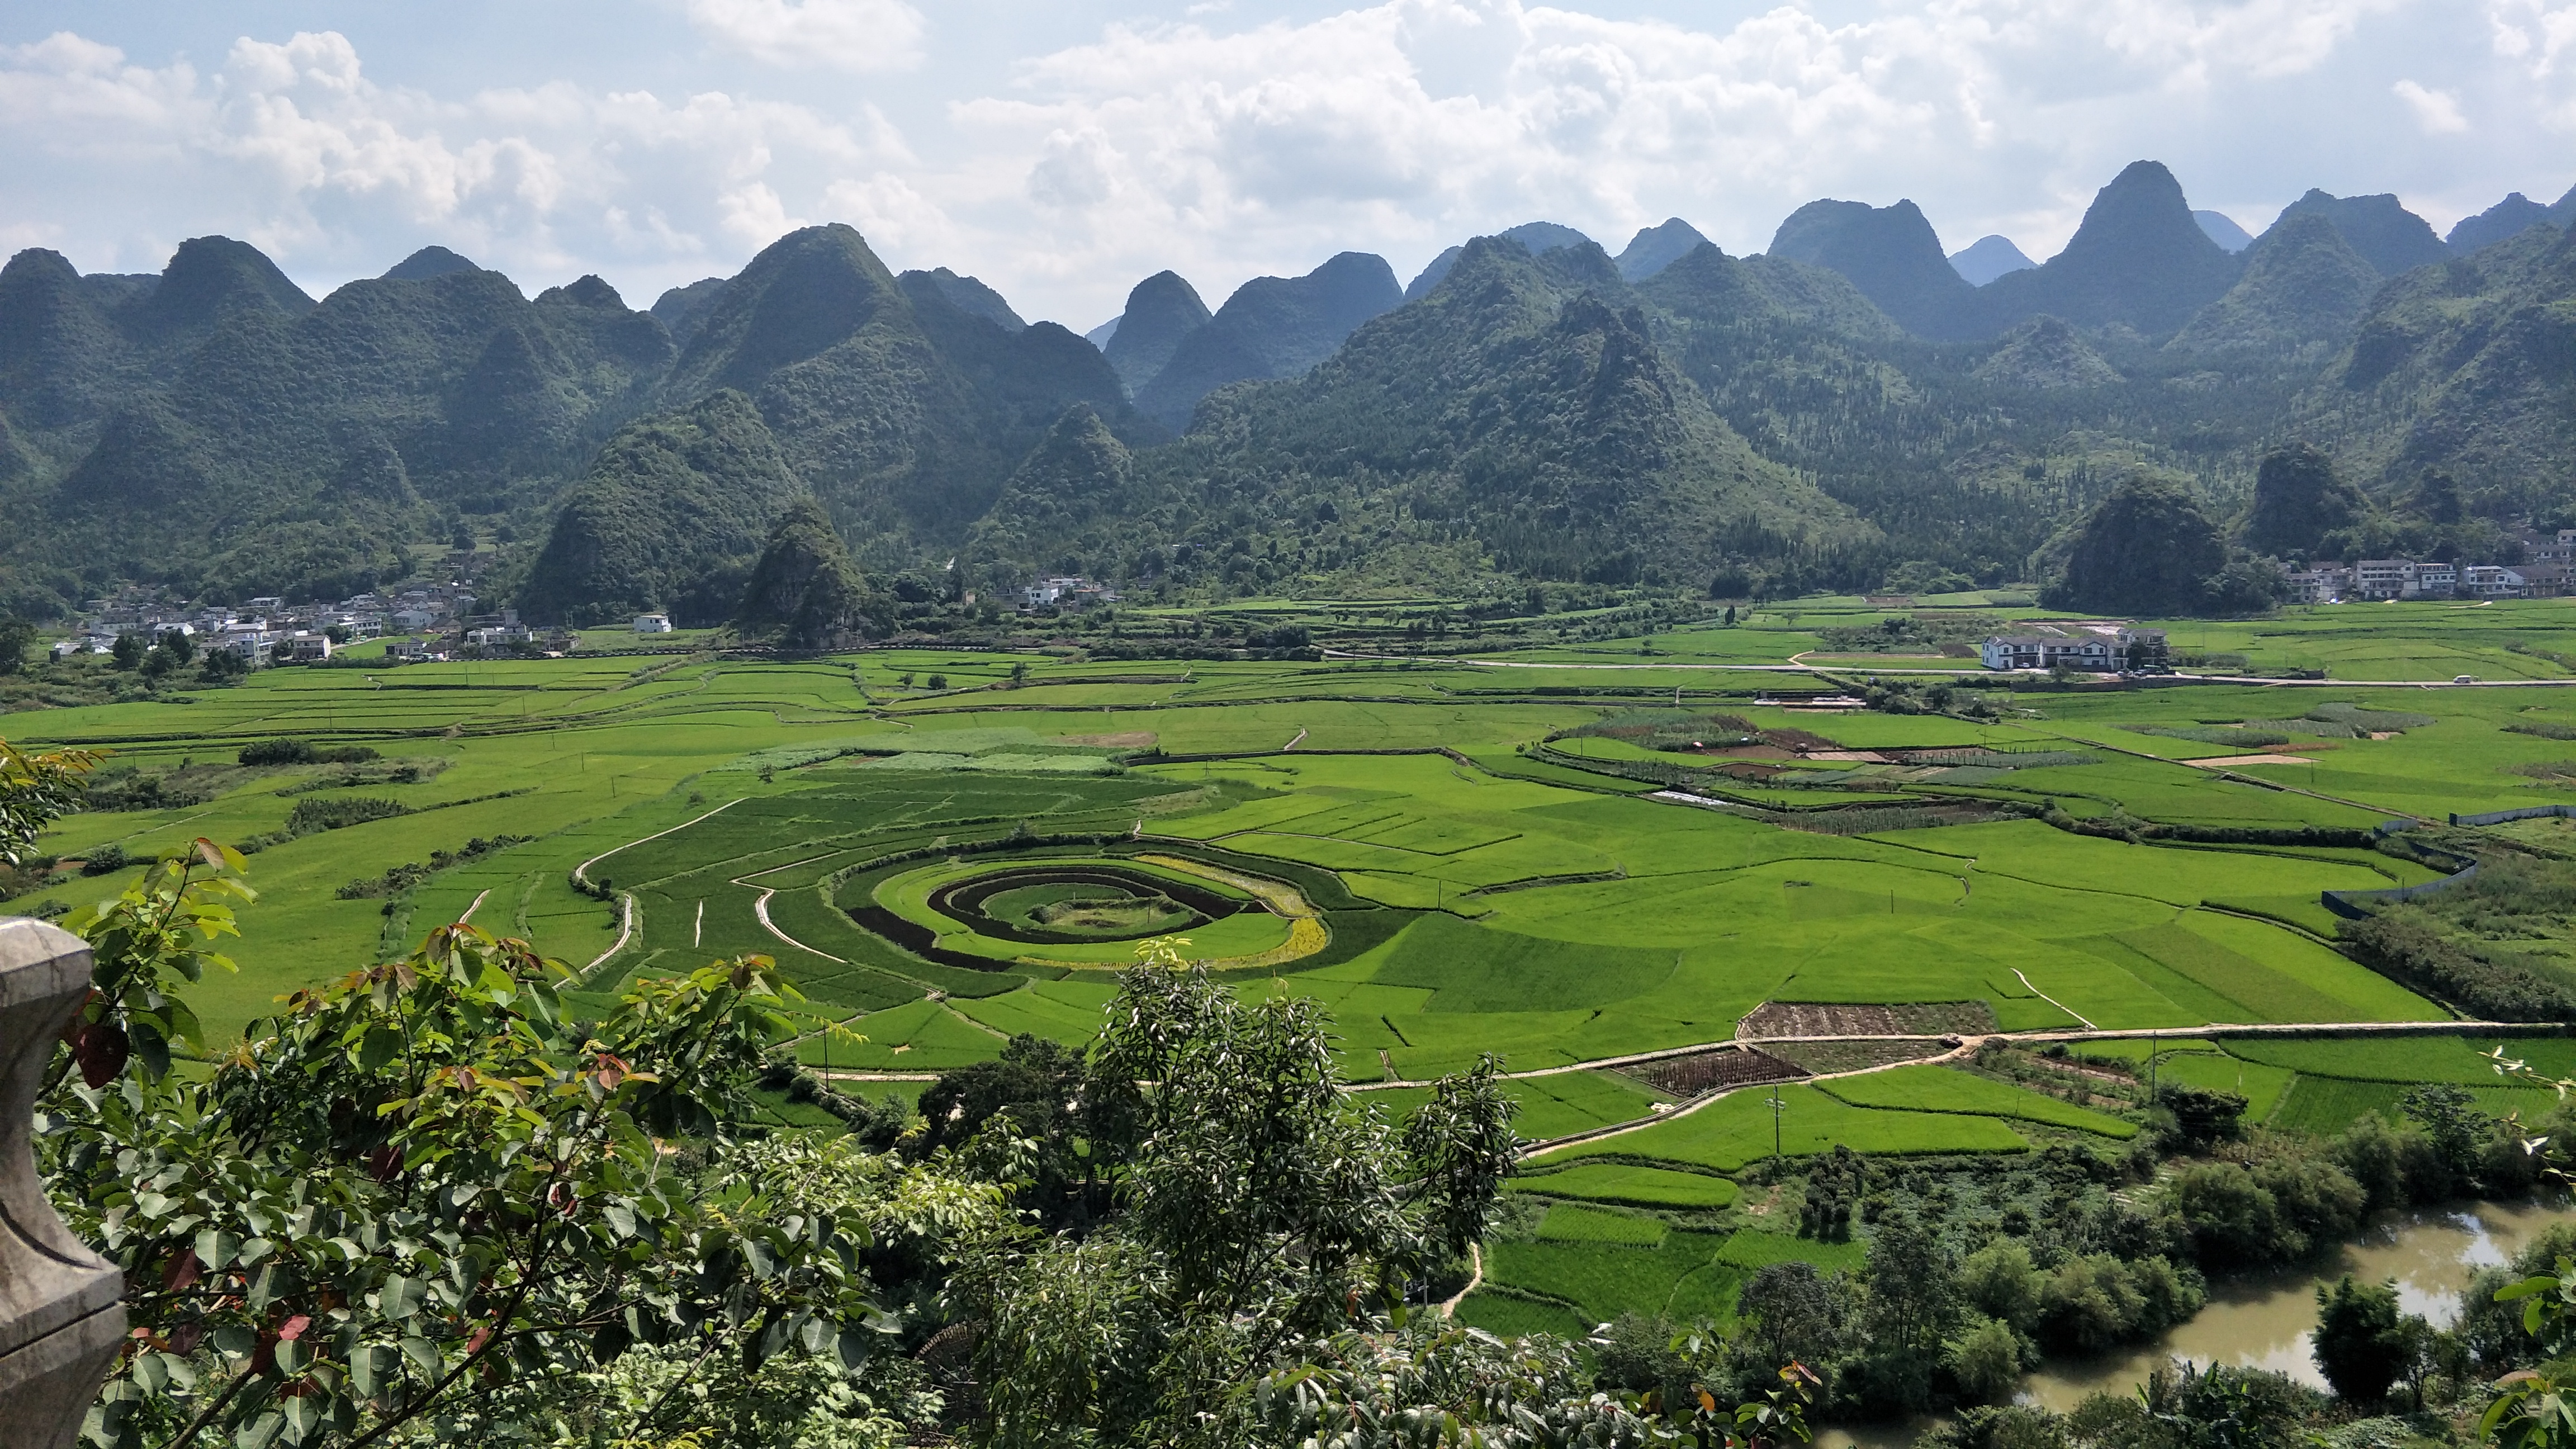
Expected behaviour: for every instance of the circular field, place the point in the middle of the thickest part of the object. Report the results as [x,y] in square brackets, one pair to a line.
[1063,905]
[1086,912]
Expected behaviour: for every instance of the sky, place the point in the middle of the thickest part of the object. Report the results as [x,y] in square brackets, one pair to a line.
[1062,150]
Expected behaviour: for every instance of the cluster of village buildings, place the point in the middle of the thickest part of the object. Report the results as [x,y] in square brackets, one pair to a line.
[1066,593]
[431,621]
[427,622]
[2547,571]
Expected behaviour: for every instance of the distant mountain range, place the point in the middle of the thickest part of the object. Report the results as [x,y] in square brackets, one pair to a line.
[1853,406]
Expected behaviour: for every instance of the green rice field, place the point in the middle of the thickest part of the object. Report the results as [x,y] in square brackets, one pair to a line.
[1444,870]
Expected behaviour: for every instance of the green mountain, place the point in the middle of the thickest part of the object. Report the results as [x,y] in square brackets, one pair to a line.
[1715,424]
[219,431]
[2378,228]
[1161,311]
[670,517]
[2047,354]
[2468,370]
[1271,327]
[1891,253]
[1077,488]
[904,412]
[1523,409]
[2299,500]
[2138,259]
[2303,290]
[803,588]
[1539,237]
[1654,248]
[2509,217]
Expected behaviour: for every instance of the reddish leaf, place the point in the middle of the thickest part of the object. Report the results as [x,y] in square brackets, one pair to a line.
[185,1338]
[293,1328]
[101,1050]
[385,1163]
[181,1272]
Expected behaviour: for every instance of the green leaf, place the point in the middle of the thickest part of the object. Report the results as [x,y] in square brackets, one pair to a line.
[855,1348]
[152,1372]
[400,1297]
[261,1432]
[381,1045]
[610,1341]
[425,1355]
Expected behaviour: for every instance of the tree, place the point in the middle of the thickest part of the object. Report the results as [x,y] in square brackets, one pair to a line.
[15,636]
[2452,1123]
[127,651]
[223,666]
[1999,1281]
[1913,1284]
[1259,1208]
[2361,1343]
[2299,500]
[1037,1088]
[1788,1313]
[422,1185]
[2202,1115]
[36,790]
[2146,549]
[1985,1362]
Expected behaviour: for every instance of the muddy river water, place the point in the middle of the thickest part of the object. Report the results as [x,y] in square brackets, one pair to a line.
[2263,1322]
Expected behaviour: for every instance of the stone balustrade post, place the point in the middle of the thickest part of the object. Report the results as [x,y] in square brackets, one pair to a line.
[62,1311]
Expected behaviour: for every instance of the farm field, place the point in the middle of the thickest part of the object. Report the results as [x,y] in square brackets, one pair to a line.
[940,871]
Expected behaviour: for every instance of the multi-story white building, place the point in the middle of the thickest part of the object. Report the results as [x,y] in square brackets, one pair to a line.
[2493,581]
[2098,650]
[2039,651]
[2320,585]
[2399,578]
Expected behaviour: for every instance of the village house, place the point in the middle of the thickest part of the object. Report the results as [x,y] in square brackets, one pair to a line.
[2492,581]
[2326,585]
[2099,651]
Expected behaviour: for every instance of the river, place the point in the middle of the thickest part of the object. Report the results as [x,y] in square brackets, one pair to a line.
[2263,1321]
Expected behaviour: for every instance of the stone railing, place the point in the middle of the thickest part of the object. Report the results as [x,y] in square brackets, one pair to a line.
[62,1313]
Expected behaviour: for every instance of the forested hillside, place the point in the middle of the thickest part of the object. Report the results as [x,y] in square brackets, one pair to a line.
[1849,411]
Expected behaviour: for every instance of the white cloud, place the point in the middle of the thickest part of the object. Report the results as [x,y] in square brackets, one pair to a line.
[2437,112]
[1228,146]
[858,36]
[291,146]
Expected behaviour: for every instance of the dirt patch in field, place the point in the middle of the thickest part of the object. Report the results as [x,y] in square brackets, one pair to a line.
[1745,752]
[1819,1018]
[2221,762]
[1825,1058]
[1711,1071]
[1118,740]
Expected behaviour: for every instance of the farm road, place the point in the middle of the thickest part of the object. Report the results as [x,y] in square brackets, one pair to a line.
[1791,666]
[1967,1046]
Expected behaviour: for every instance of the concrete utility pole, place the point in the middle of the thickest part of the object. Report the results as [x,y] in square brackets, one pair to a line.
[62,1310]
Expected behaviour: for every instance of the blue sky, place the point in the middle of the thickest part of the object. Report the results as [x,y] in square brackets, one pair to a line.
[1062,150]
